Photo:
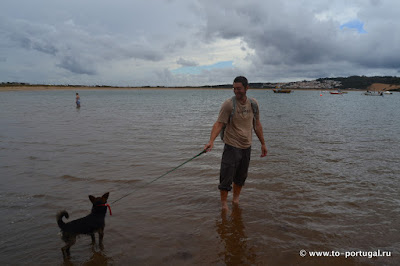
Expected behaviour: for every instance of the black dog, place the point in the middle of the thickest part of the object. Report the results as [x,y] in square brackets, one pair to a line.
[88,225]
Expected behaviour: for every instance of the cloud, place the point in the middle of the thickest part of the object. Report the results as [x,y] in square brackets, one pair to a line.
[195,70]
[30,36]
[76,66]
[132,42]
[174,46]
[186,63]
[292,40]
[75,49]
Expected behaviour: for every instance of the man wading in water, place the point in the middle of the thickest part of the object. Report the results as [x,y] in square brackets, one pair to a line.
[240,115]
[78,101]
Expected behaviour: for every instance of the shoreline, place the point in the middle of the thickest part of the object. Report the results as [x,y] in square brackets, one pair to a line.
[81,88]
[76,88]
[41,87]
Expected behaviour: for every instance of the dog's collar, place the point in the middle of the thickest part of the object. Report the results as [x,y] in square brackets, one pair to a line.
[106,205]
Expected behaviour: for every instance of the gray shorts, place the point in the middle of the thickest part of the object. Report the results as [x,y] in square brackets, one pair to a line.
[234,167]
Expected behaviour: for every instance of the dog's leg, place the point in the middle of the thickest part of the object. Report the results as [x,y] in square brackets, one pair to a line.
[66,249]
[93,238]
[101,235]
[64,253]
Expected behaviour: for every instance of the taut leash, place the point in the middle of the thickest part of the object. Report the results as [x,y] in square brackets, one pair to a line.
[204,151]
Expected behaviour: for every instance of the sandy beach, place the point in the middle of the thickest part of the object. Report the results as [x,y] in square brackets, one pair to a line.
[373,87]
[383,87]
[78,88]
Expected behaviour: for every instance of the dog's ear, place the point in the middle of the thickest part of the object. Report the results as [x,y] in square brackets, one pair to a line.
[105,196]
[92,199]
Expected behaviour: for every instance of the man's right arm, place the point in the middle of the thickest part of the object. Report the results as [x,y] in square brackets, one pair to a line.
[216,129]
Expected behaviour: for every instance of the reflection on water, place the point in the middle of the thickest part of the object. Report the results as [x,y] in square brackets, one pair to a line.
[232,233]
[98,258]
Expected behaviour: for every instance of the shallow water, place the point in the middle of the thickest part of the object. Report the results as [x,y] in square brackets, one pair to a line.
[329,182]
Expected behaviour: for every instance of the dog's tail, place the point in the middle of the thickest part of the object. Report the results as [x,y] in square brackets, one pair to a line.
[59,216]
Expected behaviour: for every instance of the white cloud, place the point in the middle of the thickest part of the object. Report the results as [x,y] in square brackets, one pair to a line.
[188,63]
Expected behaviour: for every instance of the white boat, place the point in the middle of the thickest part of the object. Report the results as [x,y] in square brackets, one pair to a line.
[387,92]
[373,93]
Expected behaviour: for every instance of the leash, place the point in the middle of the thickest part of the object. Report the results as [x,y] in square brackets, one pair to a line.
[106,205]
[194,157]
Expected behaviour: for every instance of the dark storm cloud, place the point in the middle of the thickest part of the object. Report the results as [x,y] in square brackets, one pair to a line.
[266,40]
[28,36]
[75,66]
[288,34]
[278,36]
[75,49]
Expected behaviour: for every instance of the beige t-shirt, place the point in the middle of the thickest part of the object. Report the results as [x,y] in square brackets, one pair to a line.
[238,132]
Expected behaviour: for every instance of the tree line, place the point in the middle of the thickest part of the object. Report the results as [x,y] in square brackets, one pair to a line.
[363,82]
[353,82]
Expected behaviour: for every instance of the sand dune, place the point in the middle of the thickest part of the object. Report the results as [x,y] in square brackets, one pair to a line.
[383,87]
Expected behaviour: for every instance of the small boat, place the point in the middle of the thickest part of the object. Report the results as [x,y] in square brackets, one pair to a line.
[280,90]
[387,92]
[373,93]
[336,92]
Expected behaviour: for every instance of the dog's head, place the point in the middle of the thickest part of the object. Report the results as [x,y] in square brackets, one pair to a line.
[100,200]
[99,203]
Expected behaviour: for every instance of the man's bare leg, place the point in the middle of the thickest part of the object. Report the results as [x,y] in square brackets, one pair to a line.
[236,193]
[224,199]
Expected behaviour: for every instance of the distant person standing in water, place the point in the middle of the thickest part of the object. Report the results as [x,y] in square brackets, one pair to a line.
[237,118]
[78,100]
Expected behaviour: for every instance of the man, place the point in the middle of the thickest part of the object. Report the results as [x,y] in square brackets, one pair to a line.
[78,100]
[237,138]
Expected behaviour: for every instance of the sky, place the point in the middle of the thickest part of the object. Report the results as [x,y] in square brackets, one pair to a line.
[195,42]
